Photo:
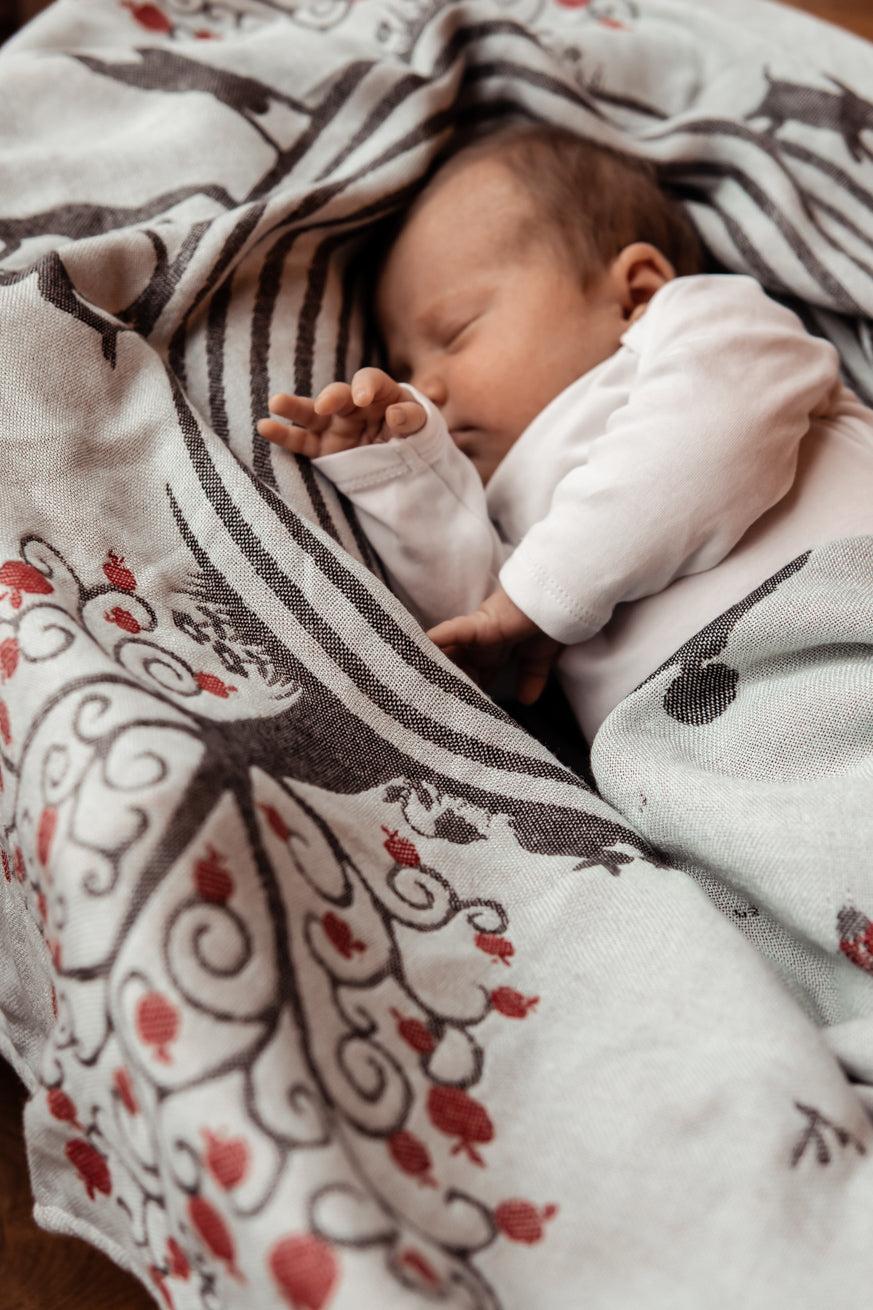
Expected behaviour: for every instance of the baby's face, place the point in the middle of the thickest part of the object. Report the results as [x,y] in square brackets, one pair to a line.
[489,324]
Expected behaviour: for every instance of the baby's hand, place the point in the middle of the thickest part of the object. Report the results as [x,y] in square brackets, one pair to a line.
[482,642]
[373,408]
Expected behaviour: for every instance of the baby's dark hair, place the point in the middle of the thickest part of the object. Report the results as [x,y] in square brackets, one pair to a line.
[593,199]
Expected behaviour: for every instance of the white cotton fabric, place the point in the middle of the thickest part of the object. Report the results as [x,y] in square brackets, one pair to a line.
[717,440]
[331,986]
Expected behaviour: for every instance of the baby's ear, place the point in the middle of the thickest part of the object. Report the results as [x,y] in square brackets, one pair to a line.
[640,270]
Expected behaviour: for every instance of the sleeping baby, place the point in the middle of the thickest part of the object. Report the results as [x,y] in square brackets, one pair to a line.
[584,448]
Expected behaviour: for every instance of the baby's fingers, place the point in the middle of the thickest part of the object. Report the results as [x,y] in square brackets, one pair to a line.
[371,386]
[405,418]
[335,401]
[296,409]
[300,441]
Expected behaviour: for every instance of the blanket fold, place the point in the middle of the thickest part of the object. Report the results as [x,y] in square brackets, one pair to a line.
[331,986]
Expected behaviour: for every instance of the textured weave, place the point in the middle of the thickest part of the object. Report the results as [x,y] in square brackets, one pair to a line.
[332,987]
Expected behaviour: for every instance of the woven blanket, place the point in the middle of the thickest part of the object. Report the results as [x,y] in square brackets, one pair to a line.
[332,987]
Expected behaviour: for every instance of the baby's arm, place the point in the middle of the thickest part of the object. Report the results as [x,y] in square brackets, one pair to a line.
[342,416]
[481,642]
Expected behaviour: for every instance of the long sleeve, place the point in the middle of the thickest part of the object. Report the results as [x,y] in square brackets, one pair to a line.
[707,440]
[422,506]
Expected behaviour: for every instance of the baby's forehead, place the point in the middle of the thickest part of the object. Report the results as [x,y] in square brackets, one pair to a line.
[474,194]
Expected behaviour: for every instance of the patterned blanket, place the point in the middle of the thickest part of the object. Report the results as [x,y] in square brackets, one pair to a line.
[333,988]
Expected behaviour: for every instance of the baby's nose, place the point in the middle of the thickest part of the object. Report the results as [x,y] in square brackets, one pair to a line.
[431,383]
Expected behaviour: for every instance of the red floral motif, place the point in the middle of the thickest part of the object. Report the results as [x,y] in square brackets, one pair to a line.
[177,1260]
[521,1221]
[500,947]
[859,949]
[20,869]
[276,822]
[22,579]
[123,619]
[455,1113]
[157,1021]
[62,1107]
[414,1033]
[6,870]
[340,935]
[411,1155]
[214,685]
[401,850]
[306,1270]
[124,1087]
[226,1158]
[160,1283]
[8,658]
[415,1263]
[211,878]
[45,831]
[92,1168]
[513,1004]
[149,16]
[42,906]
[118,573]
[856,937]
[214,1233]
[5,725]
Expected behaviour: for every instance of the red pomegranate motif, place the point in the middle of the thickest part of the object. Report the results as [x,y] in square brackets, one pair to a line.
[160,1283]
[411,1155]
[859,947]
[177,1260]
[8,658]
[22,580]
[62,1107]
[211,877]
[507,1001]
[340,935]
[456,1114]
[500,947]
[157,1022]
[401,850]
[45,831]
[92,1168]
[117,572]
[123,619]
[214,685]
[521,1221]
[415,1263]
[226,1158]
[276,822]
[415,1033]
[306,1270]
[214,1233]
[124,1087]
[149,16]
[5,725]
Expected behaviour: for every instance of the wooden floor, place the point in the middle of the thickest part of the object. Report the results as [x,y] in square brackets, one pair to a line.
[39,1271]
[856,15]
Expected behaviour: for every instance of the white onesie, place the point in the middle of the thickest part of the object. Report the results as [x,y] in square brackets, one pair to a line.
[719,415]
